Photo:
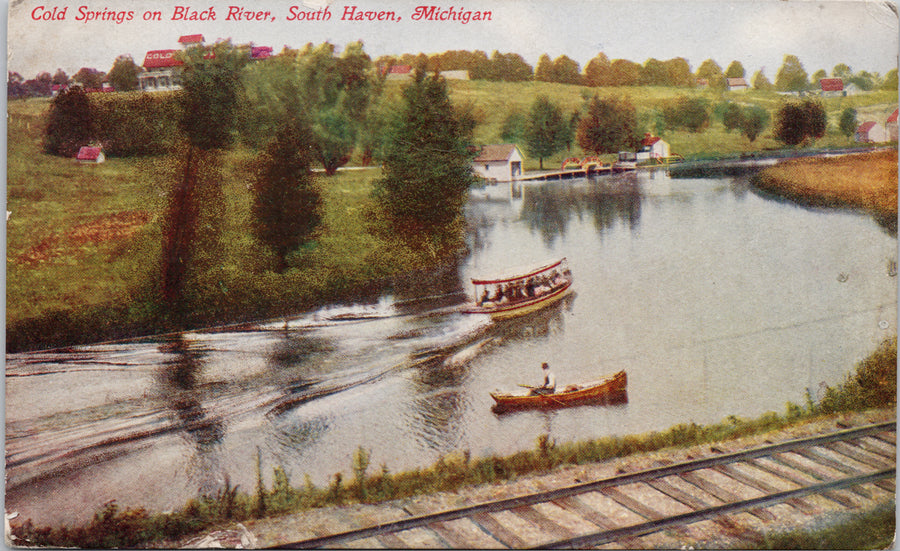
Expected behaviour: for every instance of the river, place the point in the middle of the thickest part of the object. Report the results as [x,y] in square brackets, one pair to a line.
[715,299]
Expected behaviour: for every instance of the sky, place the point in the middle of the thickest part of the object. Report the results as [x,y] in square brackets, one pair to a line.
[758,33]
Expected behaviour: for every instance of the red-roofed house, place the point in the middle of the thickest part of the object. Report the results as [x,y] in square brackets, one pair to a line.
[832,87]
[501,162]
[737,84]
[161,71]
[653,147]
[871,131]
[90,155]
[189,40]
[399,71]
[891,125]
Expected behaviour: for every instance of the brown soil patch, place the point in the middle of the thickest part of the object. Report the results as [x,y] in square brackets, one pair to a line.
[114,227]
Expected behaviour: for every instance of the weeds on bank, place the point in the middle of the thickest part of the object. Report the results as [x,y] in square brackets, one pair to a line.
[873,384]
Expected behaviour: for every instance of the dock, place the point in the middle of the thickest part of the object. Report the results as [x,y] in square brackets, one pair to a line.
[575,173]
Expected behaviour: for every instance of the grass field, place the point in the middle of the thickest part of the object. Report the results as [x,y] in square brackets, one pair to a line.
[83,240]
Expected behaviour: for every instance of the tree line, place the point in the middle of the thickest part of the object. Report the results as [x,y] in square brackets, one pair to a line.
[512,67]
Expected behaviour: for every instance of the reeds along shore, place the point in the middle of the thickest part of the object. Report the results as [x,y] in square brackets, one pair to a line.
[864,180]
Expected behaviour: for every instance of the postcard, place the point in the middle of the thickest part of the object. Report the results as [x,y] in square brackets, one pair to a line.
[498,273]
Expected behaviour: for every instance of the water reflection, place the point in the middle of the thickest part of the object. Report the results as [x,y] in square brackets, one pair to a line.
[437,410]
[179,378]
[608,200]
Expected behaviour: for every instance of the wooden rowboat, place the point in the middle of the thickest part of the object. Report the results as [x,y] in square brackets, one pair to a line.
[610,389]
[517,295]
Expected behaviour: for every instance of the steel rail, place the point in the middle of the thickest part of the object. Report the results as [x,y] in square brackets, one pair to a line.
[559,493]
[645,528]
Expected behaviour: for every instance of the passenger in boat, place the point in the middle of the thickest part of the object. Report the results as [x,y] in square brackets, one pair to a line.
[549,386]
[484,297]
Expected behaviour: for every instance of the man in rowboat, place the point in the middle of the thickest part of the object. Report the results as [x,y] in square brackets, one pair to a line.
[549,386]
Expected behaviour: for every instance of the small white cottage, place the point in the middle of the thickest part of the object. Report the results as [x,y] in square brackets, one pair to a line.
[653,147]
[501,162]
[871,131]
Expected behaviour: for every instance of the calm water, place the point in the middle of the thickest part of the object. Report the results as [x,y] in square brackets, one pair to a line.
[716,301]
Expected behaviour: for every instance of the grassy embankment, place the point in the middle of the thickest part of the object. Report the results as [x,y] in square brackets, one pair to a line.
[82,243]
[83,239]
[873,384]
[866,181]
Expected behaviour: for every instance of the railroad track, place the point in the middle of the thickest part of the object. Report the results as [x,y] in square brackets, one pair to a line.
[797,477]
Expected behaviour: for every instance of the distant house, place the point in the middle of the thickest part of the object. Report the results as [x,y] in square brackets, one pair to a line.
[501,162]
[832,87]
[891,126]
[851,89]
[90,155]
[455,75]
[189,40]
[399,71]
[871,131]
[162,71]
[703,82]
[653,147]
[737,84]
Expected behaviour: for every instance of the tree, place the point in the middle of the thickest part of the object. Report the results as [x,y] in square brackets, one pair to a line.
[624,73]
[679,72]
[208,104]
[15,86]
[427,166]
[513,128]
[69,123]
[506,67]
[686,112]
[286,205]
[842,70]
[712,72]
[760,82]
[547,130]
[816,77]
[798,121]
[791,76]
[543,71]
[735,70]
[847,123]
[60,78]
[732,116]
[124,74]
[41,85]
[654,73]
[754,120]
[607,126]
[566,70]
[89,78]
[596,72]
[890,80]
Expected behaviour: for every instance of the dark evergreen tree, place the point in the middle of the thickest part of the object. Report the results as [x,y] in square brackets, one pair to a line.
[286,204]
[847,123]
[607,126]
[427,166]
[69,123]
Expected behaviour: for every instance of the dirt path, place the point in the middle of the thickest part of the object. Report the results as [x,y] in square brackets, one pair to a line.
[738,532]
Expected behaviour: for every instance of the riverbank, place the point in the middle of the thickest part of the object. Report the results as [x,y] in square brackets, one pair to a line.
[866,181]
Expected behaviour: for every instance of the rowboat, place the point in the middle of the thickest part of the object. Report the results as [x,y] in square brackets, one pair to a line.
[610,389]
[517,295]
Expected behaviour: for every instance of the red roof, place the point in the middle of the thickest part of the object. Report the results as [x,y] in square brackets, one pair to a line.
[831,84]
[650,139]
[191,39]
[89,153]
[865,127]
[893,117]
[161,58]
[260,52]
[400,69]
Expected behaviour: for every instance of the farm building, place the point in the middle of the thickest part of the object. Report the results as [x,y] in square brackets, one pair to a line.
[871,131]
[90,155]
[501,162]
[399,71]
[653,147]
[737,84]
[892,126]
[832,87]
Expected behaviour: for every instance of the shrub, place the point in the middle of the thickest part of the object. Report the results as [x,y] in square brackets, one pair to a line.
[69,124]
